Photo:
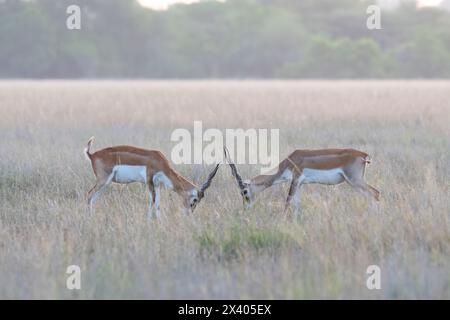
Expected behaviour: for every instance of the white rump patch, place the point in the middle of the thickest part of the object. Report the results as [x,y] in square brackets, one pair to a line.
[128,174]
[85,152]
[160,178]
[332,176]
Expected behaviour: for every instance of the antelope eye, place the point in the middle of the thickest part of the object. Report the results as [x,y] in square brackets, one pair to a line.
[245,192]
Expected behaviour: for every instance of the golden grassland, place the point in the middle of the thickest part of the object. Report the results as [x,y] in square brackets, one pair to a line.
[221,251]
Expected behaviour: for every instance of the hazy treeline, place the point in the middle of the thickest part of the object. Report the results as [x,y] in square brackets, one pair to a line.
[235,39]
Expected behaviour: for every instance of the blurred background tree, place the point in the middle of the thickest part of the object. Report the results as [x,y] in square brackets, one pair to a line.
[231,39]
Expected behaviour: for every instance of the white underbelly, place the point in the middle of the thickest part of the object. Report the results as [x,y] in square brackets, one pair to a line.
[285,176]
[332,176]
[128,174]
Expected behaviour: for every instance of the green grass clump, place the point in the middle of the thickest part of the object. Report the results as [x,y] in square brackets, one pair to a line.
[238,242]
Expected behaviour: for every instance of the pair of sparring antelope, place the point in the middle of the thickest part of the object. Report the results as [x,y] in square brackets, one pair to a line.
[127,164]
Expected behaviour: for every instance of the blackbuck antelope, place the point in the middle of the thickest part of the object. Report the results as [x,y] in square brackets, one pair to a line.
[327,166]
[126,164]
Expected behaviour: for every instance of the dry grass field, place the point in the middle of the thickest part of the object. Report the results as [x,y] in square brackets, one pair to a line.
[221,251]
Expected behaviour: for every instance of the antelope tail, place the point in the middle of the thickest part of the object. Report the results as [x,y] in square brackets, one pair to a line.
[87,153]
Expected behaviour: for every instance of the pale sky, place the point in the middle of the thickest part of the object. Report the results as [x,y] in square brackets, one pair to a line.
[164,4]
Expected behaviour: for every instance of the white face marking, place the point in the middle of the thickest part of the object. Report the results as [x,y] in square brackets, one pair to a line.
[193,199]
[161,178]
[285,176]
[332,176]
[128,174]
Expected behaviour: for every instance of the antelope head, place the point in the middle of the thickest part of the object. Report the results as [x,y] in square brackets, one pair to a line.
[196,195]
